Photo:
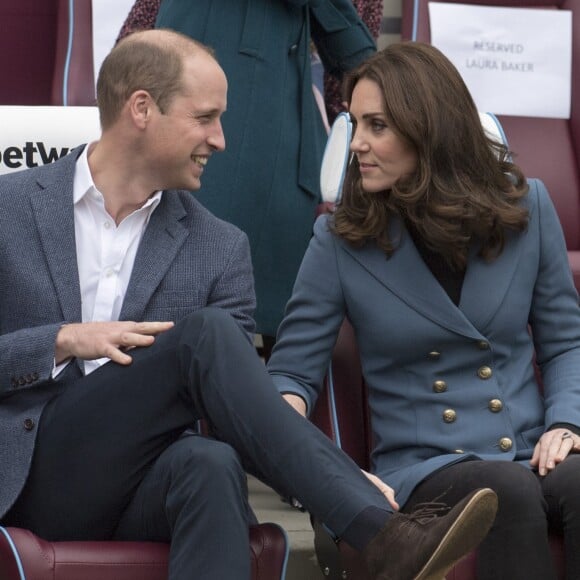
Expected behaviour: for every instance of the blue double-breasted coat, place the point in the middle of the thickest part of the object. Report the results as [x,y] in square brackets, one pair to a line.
[445,382]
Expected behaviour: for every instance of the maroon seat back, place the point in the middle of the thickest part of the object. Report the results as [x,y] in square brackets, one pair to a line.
[25,556]
[27,46]
[47,50]
[545,148]
[73,81]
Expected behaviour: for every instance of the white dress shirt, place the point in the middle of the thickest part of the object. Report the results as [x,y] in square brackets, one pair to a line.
[105,251]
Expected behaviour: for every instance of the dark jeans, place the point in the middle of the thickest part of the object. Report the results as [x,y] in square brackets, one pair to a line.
[111,461]
[517,545]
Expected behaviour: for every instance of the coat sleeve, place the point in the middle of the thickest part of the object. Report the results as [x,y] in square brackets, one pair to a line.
[142,16]
[555,317]
[313,317]
[234,290]
[26,357]
[342,39]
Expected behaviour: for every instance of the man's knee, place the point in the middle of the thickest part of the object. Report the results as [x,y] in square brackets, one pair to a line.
[210,322]
[203,458]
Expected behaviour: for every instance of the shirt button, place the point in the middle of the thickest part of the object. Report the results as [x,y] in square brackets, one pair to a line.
[449,416]
[434,355]
[483,345]
[29,424]
[495,405]
[107,225]
[484,373]
[439,386]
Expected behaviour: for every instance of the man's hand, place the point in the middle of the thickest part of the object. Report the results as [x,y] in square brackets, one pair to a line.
[552,448]
[93,340]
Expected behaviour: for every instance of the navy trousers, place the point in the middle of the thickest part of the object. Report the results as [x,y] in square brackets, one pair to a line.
[111,460]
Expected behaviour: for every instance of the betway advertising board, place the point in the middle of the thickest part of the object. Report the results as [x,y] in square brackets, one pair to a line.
[32,136]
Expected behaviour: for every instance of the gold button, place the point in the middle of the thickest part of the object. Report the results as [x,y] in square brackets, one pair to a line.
[495,405]
[434,355]
[483,345]
[505,444]
[439,386]
[449,416]
[458,451]
[484,373]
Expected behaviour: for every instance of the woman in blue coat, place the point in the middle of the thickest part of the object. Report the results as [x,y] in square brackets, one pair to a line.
[267,180]
[453,271]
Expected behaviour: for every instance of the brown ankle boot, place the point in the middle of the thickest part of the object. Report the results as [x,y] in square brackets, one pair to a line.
[425,545]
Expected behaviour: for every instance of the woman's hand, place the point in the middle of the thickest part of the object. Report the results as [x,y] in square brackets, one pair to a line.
[552,448]
[385,489]
[296,402]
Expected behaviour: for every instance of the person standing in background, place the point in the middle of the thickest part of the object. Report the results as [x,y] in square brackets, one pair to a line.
[267,180]
[371,12]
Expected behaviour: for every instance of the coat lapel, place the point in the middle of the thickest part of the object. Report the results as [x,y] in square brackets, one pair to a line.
[54,215]
[406,275]
[162,240]
[486,283]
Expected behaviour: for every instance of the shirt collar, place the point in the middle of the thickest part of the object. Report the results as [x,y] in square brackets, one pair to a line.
[84,184]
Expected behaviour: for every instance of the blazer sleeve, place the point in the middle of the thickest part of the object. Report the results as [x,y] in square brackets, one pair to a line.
[313,317]
[26,357]
[341,37]
[234,289]
[555,317]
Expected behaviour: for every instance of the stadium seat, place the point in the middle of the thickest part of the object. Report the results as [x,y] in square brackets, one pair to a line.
[28,48]
[25,556]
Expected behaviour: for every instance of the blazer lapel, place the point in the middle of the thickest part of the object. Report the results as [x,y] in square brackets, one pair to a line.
[486,283]
[54,215]
[162,240]
[406,275]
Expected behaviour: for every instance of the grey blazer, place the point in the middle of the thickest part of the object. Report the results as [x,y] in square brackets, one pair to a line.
[187,259]
[445,382]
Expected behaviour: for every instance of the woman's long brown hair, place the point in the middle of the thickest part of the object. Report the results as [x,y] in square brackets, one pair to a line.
[465,188]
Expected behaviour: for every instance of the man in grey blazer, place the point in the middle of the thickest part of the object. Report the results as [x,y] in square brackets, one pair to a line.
[125,316]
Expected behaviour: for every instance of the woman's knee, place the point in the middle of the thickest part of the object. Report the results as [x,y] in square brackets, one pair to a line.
[519,492]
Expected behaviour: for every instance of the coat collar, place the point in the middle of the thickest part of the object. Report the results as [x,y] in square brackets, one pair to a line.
[54,215]
[406,275]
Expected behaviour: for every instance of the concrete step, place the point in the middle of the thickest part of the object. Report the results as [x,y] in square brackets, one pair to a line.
[269,507]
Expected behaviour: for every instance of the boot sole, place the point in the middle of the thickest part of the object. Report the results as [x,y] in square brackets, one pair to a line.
[468,530]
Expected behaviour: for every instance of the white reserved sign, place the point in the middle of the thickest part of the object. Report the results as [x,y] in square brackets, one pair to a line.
[108,18]
[33,136]
[515,61]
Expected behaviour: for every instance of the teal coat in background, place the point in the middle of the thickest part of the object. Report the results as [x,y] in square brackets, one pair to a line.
[267,180]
